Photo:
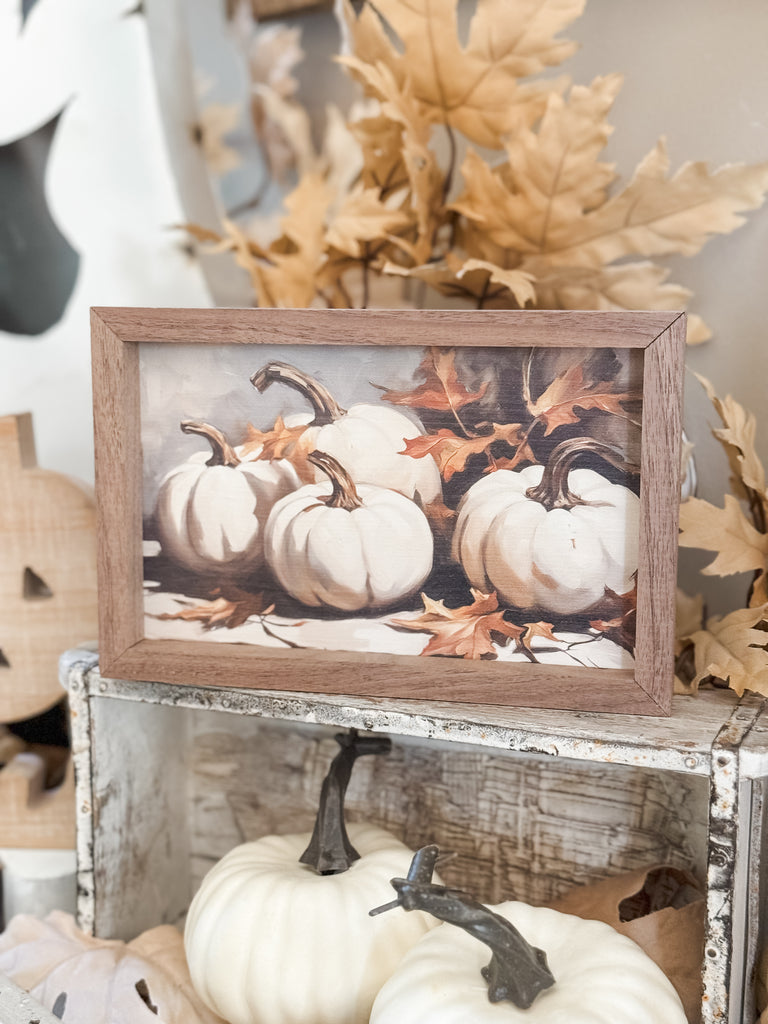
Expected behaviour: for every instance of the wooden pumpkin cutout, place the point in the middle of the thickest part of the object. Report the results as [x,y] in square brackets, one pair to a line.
[47,572]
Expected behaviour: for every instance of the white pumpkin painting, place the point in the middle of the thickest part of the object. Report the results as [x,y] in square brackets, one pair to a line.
[465,503]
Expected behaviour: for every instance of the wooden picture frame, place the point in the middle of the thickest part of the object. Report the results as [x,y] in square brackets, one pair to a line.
[647,348]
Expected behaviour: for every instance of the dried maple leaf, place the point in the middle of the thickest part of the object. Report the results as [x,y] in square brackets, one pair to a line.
[441,388]
[739,546]
[733,648]
[556,406]
[362,217]
[229,608]
[214,122]
[451,452]
[689,617]
[480,280]
[289,280]
[474,88]
[465,632]
[737,437]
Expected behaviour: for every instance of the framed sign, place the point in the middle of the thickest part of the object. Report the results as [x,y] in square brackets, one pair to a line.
[459,506]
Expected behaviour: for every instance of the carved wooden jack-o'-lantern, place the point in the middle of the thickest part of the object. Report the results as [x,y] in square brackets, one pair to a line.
[47,572]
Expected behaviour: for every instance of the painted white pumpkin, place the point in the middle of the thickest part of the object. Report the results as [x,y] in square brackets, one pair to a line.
[368,440]
[551,539]
[348,547]
[601,977]
[272,940]
[211,514]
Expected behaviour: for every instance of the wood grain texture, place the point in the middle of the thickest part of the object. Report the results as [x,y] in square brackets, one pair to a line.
[117,334]
[47,572]
[470,328]
[526,827]
[660,502]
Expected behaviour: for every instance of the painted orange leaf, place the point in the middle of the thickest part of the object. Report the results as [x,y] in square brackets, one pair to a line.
[230,609]
[557,405]
[451,452]
[441,388]
[281,442]
[465,632]
[533,629]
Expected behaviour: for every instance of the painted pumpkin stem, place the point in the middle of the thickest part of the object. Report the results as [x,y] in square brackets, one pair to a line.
[344,493]
[517,971]
[552,491]
[325,406]
[330,852]
[223,452]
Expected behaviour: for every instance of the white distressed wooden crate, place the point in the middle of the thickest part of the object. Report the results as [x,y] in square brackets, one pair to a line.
[170,777]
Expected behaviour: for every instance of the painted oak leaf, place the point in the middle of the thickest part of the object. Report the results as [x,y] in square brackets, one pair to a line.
[569,391]
[727,531]
[543,630]
[228,609]
[441,388]
[472,88]
[733,648]
[292,443]
[465,632]
[451,452]
[617,618]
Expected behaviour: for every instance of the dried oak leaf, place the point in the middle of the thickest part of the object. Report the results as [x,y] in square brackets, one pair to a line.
[451,452]
[556,406]
[465,632]
[229,608]
[474,89]
[441,388]
[739,546]
[733,648]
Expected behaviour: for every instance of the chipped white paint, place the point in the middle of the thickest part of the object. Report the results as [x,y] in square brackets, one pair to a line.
[18,1006]
[532,801]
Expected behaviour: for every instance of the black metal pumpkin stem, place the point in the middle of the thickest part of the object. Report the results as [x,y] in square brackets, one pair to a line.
[223,454]
[325,406]
[552,491]
[517,971]
[330,852]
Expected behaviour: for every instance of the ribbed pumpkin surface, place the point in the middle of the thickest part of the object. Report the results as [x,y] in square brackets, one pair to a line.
[269,941]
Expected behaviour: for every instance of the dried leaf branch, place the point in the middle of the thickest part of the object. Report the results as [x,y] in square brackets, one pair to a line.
[403,192]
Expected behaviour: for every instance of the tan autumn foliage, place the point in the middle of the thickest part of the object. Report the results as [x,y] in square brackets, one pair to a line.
[734,647]
[403,191]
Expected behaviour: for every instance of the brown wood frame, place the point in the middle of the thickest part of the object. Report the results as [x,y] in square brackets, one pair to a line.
[124,652]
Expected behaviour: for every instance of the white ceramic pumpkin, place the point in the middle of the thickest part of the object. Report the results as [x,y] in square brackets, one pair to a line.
[85,980]
[347,547]
[275,939]
[211,515]
[549,538]
[601,977]
[368,440]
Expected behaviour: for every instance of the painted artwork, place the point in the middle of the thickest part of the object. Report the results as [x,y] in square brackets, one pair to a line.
[478,503]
